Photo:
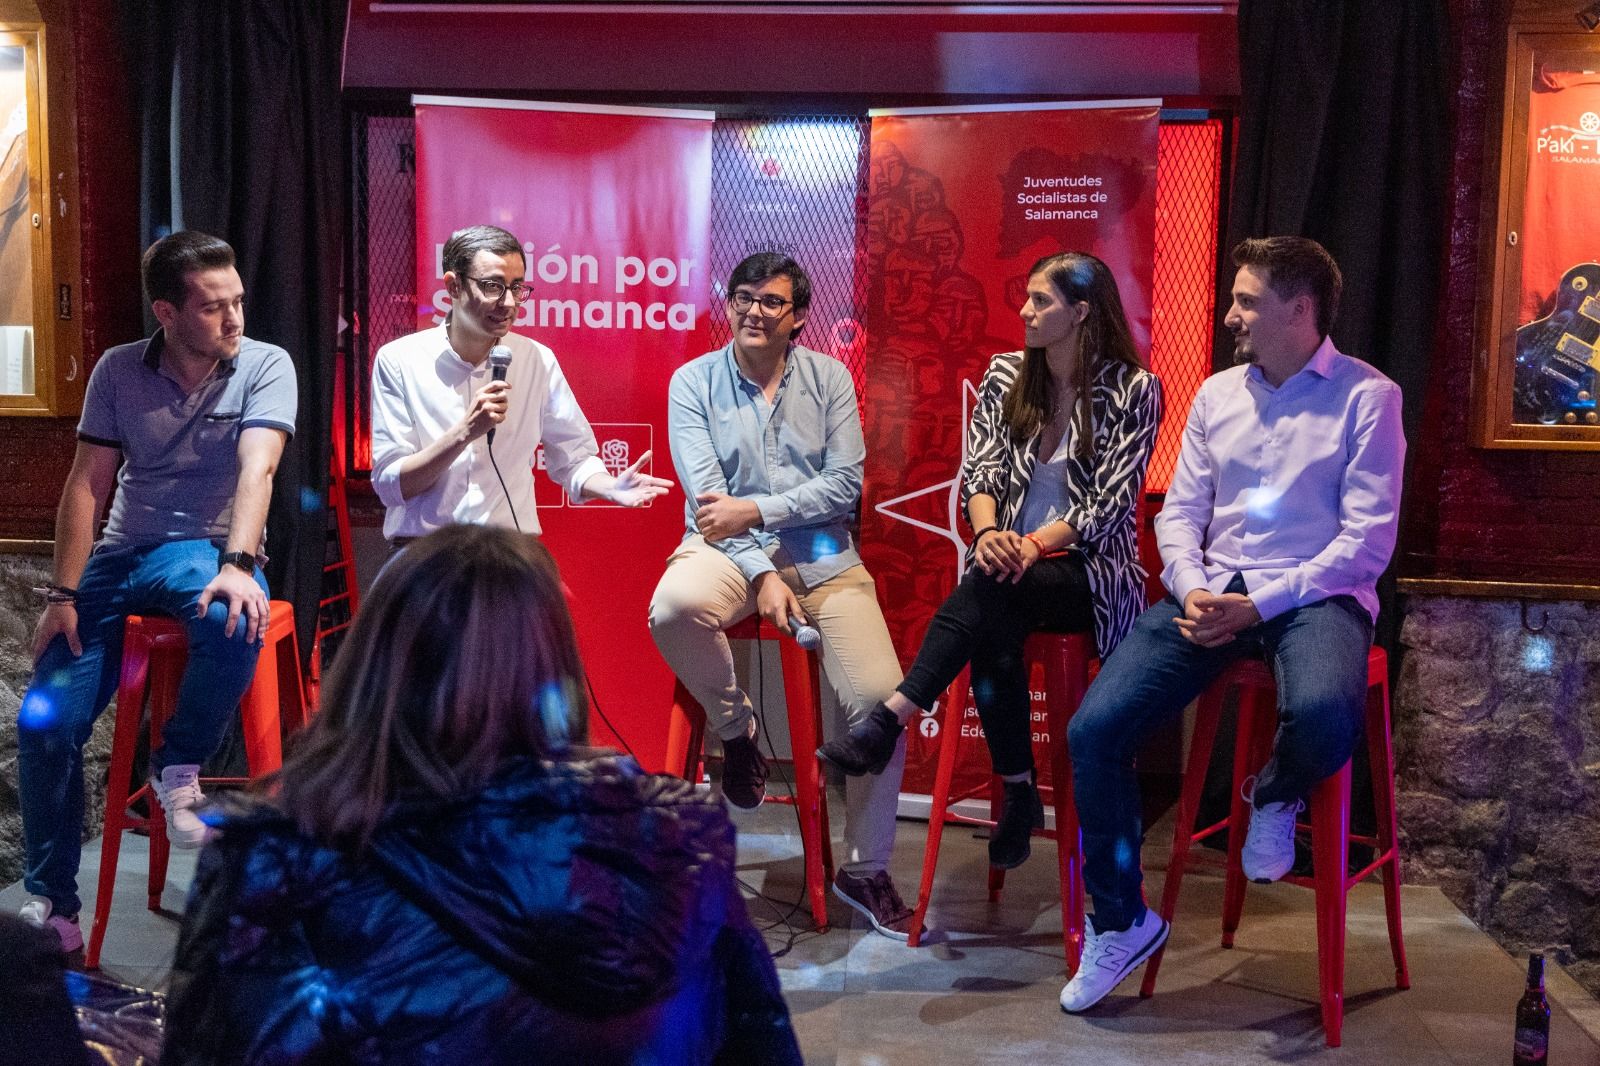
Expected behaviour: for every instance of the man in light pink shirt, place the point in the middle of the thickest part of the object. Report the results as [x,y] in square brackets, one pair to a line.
[1280,517]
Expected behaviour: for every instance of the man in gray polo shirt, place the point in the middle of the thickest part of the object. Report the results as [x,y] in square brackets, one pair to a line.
[198,416]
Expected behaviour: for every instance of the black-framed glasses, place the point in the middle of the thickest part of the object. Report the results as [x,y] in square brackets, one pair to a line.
[772,305]
[496,290]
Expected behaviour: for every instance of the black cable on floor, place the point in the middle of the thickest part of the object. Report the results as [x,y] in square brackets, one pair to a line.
[794,932]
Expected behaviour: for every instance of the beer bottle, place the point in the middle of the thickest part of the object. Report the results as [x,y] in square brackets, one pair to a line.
[1533,1019]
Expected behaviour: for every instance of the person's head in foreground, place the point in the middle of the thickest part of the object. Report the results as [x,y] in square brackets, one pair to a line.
[439,875]
[461,659]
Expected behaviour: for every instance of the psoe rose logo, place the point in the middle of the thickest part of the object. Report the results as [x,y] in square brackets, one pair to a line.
[614,453]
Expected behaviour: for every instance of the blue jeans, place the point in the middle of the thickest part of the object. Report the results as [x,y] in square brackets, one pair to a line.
[68,693]
[1318,654]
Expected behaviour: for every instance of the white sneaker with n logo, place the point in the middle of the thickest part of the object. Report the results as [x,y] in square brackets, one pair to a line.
[177,789]
[1109,957]
[1268,851]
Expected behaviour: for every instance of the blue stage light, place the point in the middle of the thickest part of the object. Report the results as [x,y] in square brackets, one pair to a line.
[38,711]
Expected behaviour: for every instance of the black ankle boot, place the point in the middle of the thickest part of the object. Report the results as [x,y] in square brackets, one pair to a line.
[1011,842]
[868,745]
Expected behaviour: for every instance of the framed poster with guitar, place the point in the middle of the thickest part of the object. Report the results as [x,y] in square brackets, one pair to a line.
[1537,368]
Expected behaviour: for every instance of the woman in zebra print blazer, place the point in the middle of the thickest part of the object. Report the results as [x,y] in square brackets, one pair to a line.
[1056,457]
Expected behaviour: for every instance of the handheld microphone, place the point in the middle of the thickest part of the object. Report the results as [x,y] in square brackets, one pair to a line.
[805,636]
[499,363]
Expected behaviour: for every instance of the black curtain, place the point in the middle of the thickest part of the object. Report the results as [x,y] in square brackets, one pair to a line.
[1344,137]
[242,137]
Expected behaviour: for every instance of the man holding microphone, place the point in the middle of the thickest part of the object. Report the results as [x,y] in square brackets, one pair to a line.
[440,395]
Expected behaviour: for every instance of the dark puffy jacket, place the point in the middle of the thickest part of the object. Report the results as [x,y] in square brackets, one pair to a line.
[571,912]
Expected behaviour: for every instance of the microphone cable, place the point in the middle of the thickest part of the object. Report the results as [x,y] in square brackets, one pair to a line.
[785,917]
[594,701]
[500,364]
[488,446]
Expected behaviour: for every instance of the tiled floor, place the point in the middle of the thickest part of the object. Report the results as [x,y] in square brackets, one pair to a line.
[983,988]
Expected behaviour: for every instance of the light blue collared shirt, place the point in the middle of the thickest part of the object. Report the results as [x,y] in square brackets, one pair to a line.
[1297,487]
[798,458]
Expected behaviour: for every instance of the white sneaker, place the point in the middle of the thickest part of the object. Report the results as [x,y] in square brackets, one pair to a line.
[1268,851]
[36,912]
[178,792]
[1110,957]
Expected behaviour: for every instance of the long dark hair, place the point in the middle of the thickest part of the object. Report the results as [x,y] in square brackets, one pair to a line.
[1104,336]
[461,658]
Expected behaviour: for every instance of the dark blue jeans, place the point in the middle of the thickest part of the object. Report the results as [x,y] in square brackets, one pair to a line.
[68,693]
[1318,654]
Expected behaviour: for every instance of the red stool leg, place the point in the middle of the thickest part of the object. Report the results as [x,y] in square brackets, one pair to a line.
[1208,717]
[1380,756]
[1066,675]
[1068,855]
[125,738]
[167,662]
[258,709]
[803,698]
[944,777]
[1257,710]
[686,726]
[293,707]
[814,665]
[997,809]
[1330,842]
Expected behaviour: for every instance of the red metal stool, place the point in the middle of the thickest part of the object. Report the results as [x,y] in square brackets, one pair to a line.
[1066,658]
[1330,825]
[154,650]
[802,684]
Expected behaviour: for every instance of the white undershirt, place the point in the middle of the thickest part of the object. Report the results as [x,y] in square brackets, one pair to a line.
[1047,498]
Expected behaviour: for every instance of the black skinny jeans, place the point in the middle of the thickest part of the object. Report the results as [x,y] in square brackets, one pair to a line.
[986,622]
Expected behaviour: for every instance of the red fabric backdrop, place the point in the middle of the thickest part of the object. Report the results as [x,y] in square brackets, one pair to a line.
[613,208]
[961,204]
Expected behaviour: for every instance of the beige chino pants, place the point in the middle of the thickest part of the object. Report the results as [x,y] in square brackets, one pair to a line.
[703,592]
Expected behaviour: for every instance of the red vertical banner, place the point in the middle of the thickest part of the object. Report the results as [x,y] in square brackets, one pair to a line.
[613,208]
[961,202]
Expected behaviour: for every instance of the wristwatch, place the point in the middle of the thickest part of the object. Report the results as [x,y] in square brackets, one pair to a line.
[243,560]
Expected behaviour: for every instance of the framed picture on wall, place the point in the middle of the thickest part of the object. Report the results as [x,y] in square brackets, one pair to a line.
[1537,367]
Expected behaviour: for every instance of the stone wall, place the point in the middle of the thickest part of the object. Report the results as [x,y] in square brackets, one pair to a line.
[1497,735]
[19,609]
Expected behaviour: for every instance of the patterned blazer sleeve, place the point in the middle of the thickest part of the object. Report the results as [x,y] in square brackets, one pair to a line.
[987,467]
[1131,417]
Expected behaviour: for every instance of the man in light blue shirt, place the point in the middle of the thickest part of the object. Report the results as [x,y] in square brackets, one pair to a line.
[1281,515]
[767,443]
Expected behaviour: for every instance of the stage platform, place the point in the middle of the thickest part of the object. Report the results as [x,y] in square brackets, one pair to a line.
[983,988]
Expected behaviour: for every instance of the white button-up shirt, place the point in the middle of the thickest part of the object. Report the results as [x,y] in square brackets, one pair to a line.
[421,389]
[1297,488]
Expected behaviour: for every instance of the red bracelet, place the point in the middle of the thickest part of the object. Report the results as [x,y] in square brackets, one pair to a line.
[1037,543]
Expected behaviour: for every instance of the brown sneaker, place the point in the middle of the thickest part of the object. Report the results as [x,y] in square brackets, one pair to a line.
[876,898]
[744,772]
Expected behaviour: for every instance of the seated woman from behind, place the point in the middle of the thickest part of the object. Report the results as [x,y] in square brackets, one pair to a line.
[438,876]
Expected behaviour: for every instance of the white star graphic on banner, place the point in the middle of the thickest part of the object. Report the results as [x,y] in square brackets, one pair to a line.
[951,488]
